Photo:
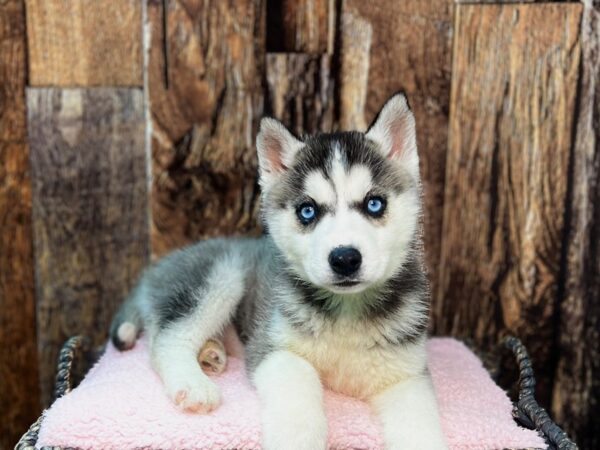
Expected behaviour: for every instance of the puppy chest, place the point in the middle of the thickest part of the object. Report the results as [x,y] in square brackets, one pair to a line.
[358,371]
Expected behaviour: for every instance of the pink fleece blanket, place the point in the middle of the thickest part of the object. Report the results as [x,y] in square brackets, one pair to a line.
[121,405]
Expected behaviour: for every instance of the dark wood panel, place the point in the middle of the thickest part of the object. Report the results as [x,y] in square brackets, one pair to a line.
[84,42]
[205,122]
[303,26]
[409,50]
[88,163]
[300,91]
[576,395]
[506,180]
[19,394]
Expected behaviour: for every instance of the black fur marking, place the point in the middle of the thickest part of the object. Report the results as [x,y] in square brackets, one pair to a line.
[410,284]
[318,155]
[176,306]
[316,298]
[412,337]
[355,149]
[411,280]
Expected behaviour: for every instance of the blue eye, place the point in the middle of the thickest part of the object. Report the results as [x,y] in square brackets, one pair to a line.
[375,206]
[306,213]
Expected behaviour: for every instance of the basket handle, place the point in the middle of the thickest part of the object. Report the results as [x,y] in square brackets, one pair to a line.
[74,347]
[70,350]
[527,409]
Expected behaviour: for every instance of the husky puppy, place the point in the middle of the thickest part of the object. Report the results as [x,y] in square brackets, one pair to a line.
[334,295]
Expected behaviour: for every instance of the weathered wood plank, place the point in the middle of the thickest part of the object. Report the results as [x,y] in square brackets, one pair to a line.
[19,393]
[511,124]
[409,51]
[88,164]
[301,91]
[576,394]
[356,36]
[497,2]
[84,43]
[204,124]
[303,26]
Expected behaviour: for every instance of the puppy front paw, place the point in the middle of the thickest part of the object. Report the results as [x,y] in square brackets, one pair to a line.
[295,432]
[295,439]
[197,394]
[409,415]
[291,394]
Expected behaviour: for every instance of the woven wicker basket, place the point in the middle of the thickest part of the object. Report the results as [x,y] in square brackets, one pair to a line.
[526,411]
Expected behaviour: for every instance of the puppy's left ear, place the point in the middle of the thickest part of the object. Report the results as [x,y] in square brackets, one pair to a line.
[394,132]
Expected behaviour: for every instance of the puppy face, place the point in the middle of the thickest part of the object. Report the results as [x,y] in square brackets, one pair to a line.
[343,208]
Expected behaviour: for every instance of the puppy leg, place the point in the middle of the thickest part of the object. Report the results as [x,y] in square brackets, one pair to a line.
[409,414]
[291,397]
[175,347]
[232,342]
[174,354]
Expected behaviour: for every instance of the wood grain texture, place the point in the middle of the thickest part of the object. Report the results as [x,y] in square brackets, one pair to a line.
[356,37]
[205,123]
[303,26]
[84,42]
[300,89]
[88,164]
[19,393]
[576,393]
[506,181]
[409,51]
[483,2]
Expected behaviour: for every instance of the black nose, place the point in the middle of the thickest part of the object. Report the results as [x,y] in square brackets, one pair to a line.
[345,260]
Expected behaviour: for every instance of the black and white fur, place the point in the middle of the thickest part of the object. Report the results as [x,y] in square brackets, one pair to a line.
[305,325]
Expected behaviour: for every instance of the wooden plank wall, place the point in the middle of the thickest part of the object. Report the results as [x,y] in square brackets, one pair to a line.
[507,173]
[205,120]
[84,42]
[576,390]
[153,149]
[88,168]
[88,165]
[19,391]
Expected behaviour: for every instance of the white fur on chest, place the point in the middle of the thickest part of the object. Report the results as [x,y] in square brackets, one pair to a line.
[351,359]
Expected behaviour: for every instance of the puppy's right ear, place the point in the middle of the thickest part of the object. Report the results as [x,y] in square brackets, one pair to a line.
[394,132]
[276,148]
